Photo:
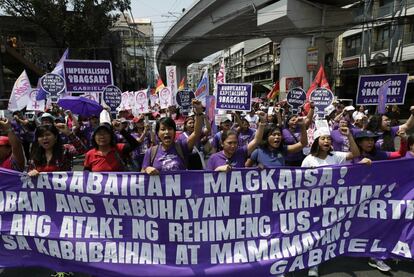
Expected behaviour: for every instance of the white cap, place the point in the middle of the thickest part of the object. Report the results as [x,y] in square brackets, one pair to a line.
[349,108]
[358,115]
[104,117]
[321,132]
[328,110]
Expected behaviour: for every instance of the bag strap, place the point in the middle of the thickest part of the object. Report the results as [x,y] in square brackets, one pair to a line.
[119,159]
[180,153]
[154,150]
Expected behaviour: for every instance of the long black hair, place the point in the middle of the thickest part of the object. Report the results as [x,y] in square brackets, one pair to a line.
[374,125]
[410,141]
[38,153]
[268,132]
[314,151]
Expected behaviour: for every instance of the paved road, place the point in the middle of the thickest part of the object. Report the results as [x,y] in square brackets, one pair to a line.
[340,267]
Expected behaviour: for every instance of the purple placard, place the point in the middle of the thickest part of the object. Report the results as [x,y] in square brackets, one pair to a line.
[322,98]
[87,76]
[369,85]
[234,97]
[296,98]
[247,222]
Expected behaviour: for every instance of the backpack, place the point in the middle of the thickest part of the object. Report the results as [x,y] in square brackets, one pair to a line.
[178,149]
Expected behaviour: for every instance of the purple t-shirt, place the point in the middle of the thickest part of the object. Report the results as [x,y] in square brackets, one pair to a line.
[140,150]
[340,142]
[380,140]
[86,133]
[219,159]
[409,155]
[216,141]
[290,138]
[246,137]
[167,160]
[378,156]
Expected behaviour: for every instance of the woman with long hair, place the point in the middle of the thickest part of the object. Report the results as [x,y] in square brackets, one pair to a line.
[410,145]
[107,154]
[273,150]
[233,156]
[381,124]
[322,154]
[366,144]
[49,154]
[292,134]
[171,155]
[196,158]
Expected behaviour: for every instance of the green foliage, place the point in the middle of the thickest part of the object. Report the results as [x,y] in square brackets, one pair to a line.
[69,23]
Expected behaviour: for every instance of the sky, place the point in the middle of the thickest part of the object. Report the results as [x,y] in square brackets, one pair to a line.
[163,13]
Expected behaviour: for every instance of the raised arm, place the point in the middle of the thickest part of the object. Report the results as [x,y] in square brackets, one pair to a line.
[132,143]
[78,147]
[294,148]
[353,147]
[198,125]
[410,122]
[238,121]
[259,134]
[16,145]
[309,116]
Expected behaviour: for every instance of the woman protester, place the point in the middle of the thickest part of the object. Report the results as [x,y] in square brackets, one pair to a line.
[381,124]
[233,156]
[49,153]
[273,150]
[322,154]
[292,134]
[410,144]
[366,144]
[107,154]
[196,158]
[171,155]
[11,149]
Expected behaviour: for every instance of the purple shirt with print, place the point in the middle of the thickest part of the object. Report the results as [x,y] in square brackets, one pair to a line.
[409,155]
[380,140]
[340,142]
[167,160]
[290,138]
[246,137]
[237,160]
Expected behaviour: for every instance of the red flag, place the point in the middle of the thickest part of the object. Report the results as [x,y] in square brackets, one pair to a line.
[159,86]
[182,84]
[320,81]
[274,92]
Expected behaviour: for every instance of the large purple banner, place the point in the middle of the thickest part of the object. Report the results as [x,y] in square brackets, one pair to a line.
[247,222]
[369,86]
[87,76]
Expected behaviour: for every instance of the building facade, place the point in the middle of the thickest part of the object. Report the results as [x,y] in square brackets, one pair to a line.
[137,51]
[383,43]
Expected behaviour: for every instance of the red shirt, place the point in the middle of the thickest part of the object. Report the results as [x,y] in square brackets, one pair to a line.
[8,163]
[96,161]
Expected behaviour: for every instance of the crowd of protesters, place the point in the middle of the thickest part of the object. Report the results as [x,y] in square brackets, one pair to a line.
[267,136]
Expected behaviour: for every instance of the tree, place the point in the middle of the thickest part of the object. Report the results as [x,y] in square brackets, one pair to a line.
[80,24]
